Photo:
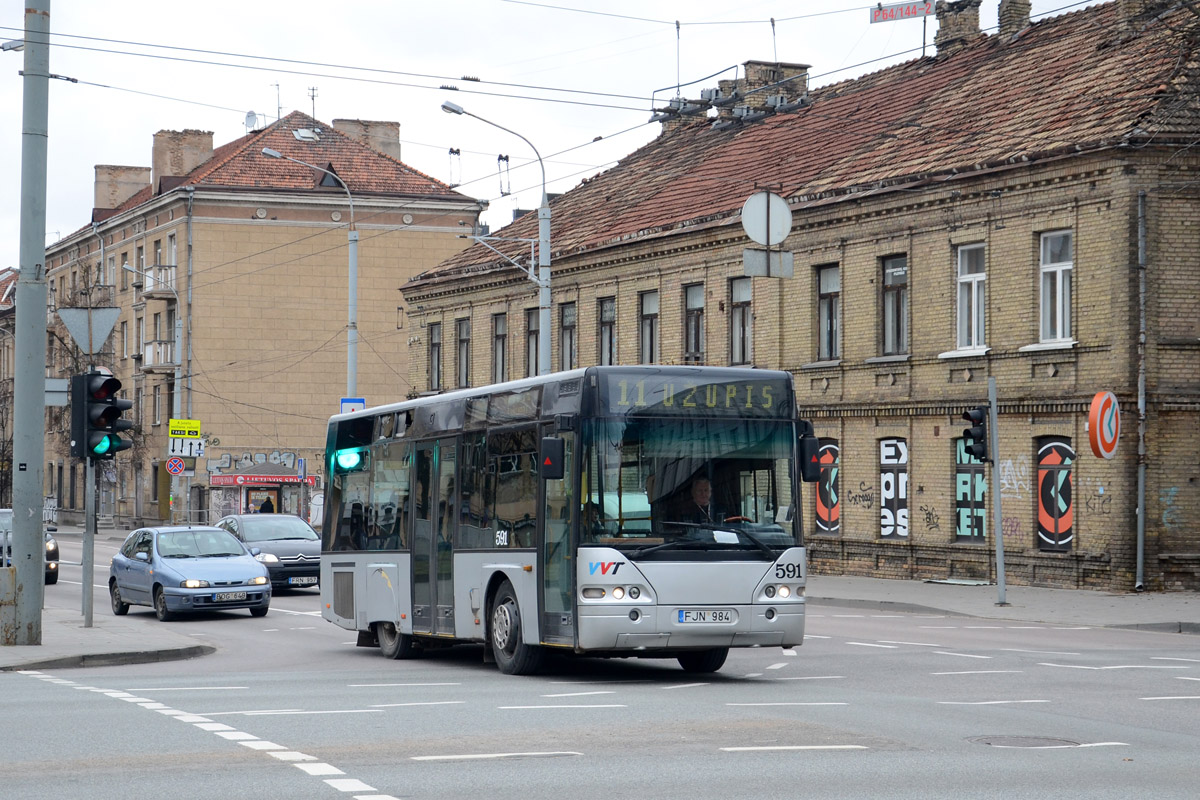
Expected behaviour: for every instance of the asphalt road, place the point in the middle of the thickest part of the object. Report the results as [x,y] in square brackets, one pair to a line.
[873,705]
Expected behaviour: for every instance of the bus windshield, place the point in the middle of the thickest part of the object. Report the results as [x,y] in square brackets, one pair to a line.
[689,483]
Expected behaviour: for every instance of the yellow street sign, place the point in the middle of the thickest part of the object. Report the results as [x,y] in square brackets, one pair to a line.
[184,429]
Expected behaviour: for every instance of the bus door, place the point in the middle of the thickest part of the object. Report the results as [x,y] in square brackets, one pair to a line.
[433,535]
[560,506]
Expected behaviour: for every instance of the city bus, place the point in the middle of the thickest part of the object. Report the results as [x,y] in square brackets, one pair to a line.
[558,513]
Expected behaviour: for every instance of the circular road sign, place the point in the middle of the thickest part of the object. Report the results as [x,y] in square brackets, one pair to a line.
[1104,424]
[175,465]
[766,218]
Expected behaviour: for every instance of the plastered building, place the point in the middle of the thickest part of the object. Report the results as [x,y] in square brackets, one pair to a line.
[231,272]
[1019,206]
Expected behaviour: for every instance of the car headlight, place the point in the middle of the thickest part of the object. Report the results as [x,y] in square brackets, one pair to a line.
[267,558]
[193,583]
[51,545]
[260,580]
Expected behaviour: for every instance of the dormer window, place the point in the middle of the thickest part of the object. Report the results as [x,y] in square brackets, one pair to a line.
[306,135]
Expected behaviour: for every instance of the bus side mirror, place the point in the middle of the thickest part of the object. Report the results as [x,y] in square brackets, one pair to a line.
[553,455]
[809,447]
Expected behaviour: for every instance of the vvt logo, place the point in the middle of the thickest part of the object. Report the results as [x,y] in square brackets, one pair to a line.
[605,567]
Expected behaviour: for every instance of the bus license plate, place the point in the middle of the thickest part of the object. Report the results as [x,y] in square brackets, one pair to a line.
[707,615]
[222,597]
[309,581]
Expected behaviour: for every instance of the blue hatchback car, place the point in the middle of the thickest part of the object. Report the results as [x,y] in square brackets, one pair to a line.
[183,569]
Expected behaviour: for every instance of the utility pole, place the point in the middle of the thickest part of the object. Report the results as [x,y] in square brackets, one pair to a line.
[29,406]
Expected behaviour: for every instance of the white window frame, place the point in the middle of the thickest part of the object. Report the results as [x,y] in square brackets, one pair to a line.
[895,305]
[648,327]
[1054,321]
[972,298]
[741,322]
[829,302]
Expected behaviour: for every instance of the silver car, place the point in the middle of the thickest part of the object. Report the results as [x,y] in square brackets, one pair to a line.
[288,546]
[6,529]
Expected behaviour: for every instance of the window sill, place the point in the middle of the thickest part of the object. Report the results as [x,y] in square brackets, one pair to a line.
[972,352]
[1065,344]
[822,364]
[887,359]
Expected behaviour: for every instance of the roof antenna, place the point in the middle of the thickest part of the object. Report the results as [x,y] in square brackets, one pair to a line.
[278,103]
[678,79]
[312,93]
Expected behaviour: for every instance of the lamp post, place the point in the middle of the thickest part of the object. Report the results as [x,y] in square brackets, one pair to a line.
[542,277]
[352,324]
[176,404]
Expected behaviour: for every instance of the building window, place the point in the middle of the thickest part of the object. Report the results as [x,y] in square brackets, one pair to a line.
[568,357]
[607,334]
[462,335]
[895,305]
[893,489]
[970,496]
[111,279]
[648,327]
[158,252]
[499,348]
[741,329]
[829,507]
[124,271]
[435,356]
[1057,261]
[1055,511]
[971,284]
[139,406]
[829,301]
[532,340]
[156,407]
[124,339]
[140,334]
[141,258]
[154,467]
[172,250]
[693,324]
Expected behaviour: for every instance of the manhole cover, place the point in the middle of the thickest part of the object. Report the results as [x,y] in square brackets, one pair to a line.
[1023,741]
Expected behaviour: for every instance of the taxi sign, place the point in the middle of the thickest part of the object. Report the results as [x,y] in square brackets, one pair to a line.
[184,429]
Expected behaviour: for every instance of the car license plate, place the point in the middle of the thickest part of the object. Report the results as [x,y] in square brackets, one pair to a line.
[707,615]
[309,581]
[224,597]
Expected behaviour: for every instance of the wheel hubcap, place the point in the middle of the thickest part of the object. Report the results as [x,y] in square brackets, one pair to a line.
[502,626]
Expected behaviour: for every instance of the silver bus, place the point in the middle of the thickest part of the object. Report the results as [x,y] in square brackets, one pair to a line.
[644,511]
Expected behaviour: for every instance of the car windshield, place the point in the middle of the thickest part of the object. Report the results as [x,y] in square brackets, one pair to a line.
[198,544]
[697,483]
[266,527]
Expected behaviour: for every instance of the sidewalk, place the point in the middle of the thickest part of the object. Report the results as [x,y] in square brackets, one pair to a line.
[119,640]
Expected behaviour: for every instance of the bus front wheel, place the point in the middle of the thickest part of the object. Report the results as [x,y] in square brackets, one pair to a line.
[393,643]
[512,655]
[703,660]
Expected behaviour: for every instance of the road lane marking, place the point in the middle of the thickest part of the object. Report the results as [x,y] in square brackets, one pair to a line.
[685,686]
[979,672]
[1060,746]
[578,694]
[1114,666]
[1178,697]
[349,785]
[236,736]
[986,702]
[318,769]
[292,755]
[814,678]
[1170,658]
[740,705]
[1185,678]
[913,644]
[789,652]
[1037,652]
[431,703]
[482,756]
[262,744]
[814,636]
[868,644]
[963,655]
[778,666]
[794,747]
[530,708]
[189,689]
[214,726]
[375,685]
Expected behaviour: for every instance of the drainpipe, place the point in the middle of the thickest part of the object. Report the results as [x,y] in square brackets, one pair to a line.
[1139,580]
[191,197]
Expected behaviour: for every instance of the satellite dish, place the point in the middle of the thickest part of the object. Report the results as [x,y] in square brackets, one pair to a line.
[251,120]
[766,218]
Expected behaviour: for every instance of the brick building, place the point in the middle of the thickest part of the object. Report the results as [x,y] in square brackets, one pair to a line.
[249,254]
[1019,206]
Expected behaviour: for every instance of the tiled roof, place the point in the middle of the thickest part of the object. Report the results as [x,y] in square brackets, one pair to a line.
[1076,82]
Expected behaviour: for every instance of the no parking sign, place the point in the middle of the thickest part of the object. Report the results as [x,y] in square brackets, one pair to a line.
[175,466]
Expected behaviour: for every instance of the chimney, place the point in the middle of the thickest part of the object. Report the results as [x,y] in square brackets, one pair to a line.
[115,185]
[381,136]
[1014,16]
[1136,14]
[176,153]
[784,78]
[958,24]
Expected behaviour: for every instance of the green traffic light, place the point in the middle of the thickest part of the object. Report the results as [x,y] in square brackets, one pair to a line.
[348,460]
[101,447]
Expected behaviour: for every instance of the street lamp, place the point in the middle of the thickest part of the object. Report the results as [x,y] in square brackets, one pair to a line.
[176,405]
[352,325]
[542,279]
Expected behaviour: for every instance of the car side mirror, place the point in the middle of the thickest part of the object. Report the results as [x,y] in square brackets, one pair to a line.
[255,551]
[51,529]
[141,556]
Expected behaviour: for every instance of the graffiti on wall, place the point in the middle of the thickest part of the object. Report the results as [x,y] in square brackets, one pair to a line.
[829,508]
[1014,478]
[248,459]
[893,489]
[1055,512]
[970,495]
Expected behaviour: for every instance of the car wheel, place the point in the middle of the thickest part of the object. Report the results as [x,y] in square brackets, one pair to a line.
[259,612]
[703,660]
[512,655]
[160,605]
[51,577]
[393,643]
[119,606]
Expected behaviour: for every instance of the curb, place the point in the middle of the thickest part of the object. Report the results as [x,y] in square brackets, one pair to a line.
[115,659]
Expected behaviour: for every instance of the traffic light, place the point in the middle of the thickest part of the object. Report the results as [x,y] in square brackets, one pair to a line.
[96,417]
[975,437]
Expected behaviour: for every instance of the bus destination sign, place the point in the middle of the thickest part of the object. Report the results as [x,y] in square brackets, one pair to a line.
[674,395]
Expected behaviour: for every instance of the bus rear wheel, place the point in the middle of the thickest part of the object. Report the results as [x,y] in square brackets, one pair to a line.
[393,643]
[704,660]
[512,655]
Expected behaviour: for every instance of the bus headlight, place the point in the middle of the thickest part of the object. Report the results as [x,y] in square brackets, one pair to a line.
[785,591]
[618,593]
[769,591]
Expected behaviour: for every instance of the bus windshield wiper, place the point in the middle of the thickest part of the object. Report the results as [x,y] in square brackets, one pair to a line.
[720,526]
[684,544]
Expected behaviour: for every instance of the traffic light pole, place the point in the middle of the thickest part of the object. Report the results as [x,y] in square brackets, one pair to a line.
[997,530]
[89,539]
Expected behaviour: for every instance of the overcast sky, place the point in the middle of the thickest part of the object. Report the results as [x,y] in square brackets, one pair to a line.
[562,74]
